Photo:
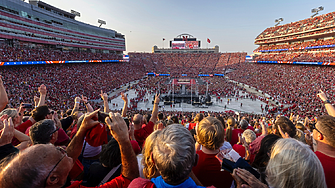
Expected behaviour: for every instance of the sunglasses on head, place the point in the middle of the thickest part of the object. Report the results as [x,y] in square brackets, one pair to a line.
[313,127]
[54,131]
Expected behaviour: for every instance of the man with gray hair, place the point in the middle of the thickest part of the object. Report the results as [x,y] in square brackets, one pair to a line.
[174,156]
[44,132]
[244,124]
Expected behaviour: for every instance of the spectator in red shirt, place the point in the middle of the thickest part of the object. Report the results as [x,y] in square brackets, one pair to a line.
[174,156]
[196,120]
[48,166]
[249,136]
[323,134]
[210,134]
[286,126]
[235,132]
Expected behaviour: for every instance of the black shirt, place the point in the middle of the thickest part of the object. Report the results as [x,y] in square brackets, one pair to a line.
[97,173]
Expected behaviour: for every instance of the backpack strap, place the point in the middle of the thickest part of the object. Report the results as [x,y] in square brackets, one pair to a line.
[110,174]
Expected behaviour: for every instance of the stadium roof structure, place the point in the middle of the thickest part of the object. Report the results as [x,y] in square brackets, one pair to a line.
[38,22]
[185,34]
[48,6]
[297,31]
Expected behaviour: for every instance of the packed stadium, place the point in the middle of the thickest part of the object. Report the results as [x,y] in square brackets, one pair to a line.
[78,109]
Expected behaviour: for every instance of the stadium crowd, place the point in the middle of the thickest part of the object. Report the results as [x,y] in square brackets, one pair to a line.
[63,140]
[309,24]
[298,57]
[64,79]
[190,64]
[296,46]
[98,147]
[9,54]
[291,84]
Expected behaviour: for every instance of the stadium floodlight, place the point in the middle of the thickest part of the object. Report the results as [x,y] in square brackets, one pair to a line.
[316,11]
[75,13]
[277,21]
[101,22]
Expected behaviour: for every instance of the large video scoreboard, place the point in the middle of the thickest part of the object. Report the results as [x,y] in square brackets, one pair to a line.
[185,41]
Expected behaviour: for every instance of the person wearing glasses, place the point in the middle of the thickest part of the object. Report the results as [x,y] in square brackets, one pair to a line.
[45,165]
[44,132]
[324,135]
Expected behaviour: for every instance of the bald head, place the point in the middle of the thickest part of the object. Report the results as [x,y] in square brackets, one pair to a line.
[137,120]
[30,167]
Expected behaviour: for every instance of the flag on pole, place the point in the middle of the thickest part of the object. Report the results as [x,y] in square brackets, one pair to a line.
[209,41]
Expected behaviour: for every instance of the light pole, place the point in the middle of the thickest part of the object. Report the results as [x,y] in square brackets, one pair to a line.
[316,11]
[75,13]
[277,21]
[101,22]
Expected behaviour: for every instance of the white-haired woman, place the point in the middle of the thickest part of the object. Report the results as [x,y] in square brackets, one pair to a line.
[292,165]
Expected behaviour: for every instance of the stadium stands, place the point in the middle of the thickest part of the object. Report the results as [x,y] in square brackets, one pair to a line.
[191,64]
[8,54]
[63,80]
[44,24]
[295,85]
[311,26]
[309,40]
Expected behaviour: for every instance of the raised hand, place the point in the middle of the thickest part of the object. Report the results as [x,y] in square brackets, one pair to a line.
[124,97]
[88,121]
[157,99]
[77,100]
[36,99]
[251,180]
[103,95]
[42,89]
[7,132]
[118,127]
[131,131]
[322,95]
[84,99]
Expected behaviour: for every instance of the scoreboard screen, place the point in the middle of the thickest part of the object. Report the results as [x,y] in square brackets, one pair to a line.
[184,44]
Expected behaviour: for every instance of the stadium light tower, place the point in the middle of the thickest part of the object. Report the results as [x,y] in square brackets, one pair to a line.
[277,21]
[75,13]
[316,11]
[101,22]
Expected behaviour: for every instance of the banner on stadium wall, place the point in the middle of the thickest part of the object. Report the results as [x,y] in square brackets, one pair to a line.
[58,62]
[298,63]
[126,58]
[183,81]
[218,74]
[205,75]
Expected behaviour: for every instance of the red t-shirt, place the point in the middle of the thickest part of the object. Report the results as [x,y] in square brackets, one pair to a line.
[24,126]
[118,182]
[191,125]
[234,136]
[328,164]
[208,171]
[241,150]
[251,128]
[142,133]
[62,138]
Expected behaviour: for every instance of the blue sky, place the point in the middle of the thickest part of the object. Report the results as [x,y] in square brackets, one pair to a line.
[232,25]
